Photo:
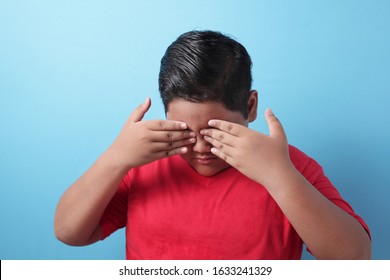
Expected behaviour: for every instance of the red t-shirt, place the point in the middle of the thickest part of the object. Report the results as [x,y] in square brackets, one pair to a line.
[172,212]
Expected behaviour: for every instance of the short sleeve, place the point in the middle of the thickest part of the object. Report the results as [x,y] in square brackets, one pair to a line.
[314,173]
[115,215]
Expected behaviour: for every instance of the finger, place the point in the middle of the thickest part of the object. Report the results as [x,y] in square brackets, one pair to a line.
[220,146]
[215,136]
[172,152]
[172,135]
[167,146]
[275,127]
[222,156]
[228,127]
[166,125]
[139,112]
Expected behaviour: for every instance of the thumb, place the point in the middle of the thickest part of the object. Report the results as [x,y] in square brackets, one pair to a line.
[275,127]
[139,112]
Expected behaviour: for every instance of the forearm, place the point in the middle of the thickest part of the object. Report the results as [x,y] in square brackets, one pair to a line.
[139,142]
[80,208]
[327,230]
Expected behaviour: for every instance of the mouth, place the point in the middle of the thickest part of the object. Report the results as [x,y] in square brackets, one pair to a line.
[205,160]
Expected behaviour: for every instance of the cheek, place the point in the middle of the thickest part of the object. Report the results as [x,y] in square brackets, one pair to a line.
[186,156]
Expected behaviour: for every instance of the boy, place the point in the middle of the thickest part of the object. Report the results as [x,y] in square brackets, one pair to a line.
[201,184]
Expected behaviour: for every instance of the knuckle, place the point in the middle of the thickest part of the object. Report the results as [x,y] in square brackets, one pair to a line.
[229,128]
[161,125]
[170,136]
[172,152]
[224,157]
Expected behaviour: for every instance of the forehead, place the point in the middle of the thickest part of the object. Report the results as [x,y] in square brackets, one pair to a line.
[197,115]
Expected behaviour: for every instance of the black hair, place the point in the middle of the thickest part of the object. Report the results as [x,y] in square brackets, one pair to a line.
[205,66]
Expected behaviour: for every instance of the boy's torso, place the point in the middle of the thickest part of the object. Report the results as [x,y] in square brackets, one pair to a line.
[172,212]
[175,213]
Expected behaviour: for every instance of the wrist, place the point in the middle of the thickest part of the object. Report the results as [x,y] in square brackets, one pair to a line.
[113,160]
[280,176]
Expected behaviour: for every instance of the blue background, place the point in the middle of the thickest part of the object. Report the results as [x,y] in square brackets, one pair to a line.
[72,71]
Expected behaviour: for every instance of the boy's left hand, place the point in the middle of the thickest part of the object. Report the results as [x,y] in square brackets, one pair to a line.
[256,155]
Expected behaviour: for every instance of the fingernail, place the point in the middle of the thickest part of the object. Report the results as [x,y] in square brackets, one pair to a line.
[183,150]
[212,123]
[183,125]
[192,134]
[269,112]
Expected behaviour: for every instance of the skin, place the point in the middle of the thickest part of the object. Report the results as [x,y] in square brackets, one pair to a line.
[197,116]
[80,208]
[211,139]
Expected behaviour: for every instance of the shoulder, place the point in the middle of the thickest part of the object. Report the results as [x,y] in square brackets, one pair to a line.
[299,158]
[305,164]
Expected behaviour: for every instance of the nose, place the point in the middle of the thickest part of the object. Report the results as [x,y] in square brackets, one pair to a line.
[201,146]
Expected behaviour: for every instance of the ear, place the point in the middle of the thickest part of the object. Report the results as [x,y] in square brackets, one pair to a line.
[252,105]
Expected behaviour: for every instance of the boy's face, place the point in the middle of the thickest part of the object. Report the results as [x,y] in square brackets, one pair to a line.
[196,116]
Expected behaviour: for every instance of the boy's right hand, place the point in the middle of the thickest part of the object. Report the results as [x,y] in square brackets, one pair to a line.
[141,142]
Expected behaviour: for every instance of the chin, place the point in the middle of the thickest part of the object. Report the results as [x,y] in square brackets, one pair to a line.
[209,170]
